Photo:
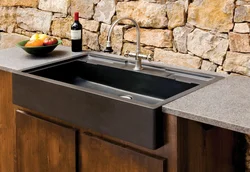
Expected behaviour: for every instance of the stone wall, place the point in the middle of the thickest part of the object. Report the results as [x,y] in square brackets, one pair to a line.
[204,34]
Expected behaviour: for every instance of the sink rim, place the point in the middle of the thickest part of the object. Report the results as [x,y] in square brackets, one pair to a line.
[118,59]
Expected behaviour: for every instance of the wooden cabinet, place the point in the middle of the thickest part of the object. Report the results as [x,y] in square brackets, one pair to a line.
[43,146]
[7,124]
[97,155]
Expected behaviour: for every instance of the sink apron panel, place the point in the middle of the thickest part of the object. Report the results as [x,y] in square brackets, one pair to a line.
[140,125]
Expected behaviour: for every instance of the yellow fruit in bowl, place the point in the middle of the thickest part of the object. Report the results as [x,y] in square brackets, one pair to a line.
[42,37]
[38,36]
[34,37]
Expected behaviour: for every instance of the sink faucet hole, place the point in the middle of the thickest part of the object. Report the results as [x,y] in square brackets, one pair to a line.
[127,97]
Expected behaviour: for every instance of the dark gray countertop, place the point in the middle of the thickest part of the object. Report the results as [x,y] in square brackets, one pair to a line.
[225,104]
[15,58]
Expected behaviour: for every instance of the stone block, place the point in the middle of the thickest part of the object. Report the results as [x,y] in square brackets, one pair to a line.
[242,13]
[66,42]
[8,19]
[90,25]
[32,19]
[242,28]
[90,39]
[176,14]
[209,66]
[15,3]
[84,7]
[104,11]
[239,42]
[238,63]
[212,14]
[180,38]
[146,14]
[207,46]
[177,59]
[154,37]
[60,6]
[61,27]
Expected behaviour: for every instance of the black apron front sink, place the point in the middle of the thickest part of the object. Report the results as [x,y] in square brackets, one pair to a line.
[105,95]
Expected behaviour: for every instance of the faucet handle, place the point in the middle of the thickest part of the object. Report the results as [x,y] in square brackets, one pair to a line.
[142,56]
[150,57]
[126,54]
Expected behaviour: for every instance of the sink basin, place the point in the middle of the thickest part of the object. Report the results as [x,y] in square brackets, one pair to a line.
[103,93]
[117,82]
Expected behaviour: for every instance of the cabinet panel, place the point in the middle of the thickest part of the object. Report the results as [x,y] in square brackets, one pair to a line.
[7,124]
[97,155]
[43,146]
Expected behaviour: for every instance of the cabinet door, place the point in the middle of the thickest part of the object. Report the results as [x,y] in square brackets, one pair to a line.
[7,124]
[43,146]
[97,155]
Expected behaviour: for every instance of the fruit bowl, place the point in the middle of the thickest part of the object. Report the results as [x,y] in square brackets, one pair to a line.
[38,50]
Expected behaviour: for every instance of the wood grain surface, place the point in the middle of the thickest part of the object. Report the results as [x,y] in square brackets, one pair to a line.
[97,155]
[7,124]
[43,146]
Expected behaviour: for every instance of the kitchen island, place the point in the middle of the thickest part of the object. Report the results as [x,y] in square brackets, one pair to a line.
[33,140]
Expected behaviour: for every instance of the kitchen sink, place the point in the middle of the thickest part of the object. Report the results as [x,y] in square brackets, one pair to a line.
[116,82]
[103,93]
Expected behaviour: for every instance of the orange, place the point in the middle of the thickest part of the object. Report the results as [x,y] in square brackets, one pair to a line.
[34,43]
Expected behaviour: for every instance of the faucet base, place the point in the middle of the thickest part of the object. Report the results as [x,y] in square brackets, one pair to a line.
[137,68]
[138,65]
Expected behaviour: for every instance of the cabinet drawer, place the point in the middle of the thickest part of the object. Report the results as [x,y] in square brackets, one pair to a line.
[97,155]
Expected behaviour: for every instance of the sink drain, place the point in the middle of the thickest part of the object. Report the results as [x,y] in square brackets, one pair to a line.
[127,97]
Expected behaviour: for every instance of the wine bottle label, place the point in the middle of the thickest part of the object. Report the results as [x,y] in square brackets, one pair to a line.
[76,34]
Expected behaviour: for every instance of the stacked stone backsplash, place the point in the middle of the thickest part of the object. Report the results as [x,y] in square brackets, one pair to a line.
[211,35]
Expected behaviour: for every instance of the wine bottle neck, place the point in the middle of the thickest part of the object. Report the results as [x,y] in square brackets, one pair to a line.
[76,17]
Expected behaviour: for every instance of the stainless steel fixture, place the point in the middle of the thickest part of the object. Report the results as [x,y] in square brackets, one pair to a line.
[142,56]
[137,55]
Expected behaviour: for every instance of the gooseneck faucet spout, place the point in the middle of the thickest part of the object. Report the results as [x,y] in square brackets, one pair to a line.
[138,65]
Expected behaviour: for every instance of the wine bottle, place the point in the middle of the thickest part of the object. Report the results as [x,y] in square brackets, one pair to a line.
[76,34]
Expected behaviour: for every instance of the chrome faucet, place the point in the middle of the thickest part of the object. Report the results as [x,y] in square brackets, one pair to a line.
[137,55]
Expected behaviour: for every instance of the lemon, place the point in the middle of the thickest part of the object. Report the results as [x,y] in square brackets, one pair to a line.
[37,36]
[42,36]
[34,37]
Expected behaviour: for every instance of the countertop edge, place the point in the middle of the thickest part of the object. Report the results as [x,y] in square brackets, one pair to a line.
[205,120]
[15,59]
[223,104]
